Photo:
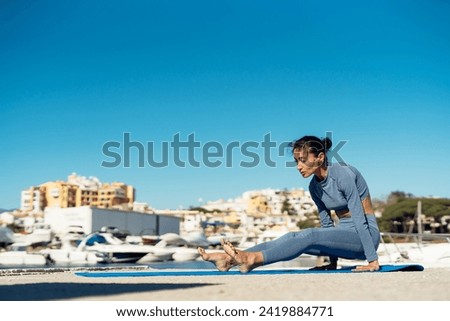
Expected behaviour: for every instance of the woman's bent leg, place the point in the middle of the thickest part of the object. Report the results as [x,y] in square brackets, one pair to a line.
[340,242]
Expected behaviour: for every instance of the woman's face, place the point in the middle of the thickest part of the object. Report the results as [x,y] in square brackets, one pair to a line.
[307,163]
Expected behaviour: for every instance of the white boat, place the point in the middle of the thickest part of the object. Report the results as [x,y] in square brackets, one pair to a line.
[74,256]
[40,234]
[180,247]
[157,254]
[118,251]
[150,239]
[215,239]
[114,249]
[63,250]
[18,256]
[184,254]
[171,239]
[6,236]
[196,239]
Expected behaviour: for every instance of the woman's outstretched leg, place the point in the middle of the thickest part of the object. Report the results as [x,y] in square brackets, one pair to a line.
[247,261]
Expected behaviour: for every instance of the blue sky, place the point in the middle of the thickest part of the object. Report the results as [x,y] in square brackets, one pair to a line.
[75,75]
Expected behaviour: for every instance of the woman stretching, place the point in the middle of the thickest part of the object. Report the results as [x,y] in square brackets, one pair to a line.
[333,187]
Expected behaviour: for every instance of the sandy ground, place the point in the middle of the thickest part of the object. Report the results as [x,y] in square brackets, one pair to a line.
[428,285]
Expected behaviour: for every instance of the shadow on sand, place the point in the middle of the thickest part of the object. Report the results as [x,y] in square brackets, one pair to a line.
[71,291]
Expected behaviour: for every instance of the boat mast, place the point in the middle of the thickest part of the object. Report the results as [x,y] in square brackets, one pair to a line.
[419,220]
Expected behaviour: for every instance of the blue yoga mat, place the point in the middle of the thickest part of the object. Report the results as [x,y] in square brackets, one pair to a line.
[204,272]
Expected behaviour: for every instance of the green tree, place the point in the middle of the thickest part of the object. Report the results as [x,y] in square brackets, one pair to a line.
[405,209]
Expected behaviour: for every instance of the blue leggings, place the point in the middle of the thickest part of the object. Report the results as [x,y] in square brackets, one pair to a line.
[340,241]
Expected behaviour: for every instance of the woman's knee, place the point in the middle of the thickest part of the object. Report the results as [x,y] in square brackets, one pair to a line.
[303,234]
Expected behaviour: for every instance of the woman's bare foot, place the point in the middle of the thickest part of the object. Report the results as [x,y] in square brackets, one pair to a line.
[223,261]
[247,260]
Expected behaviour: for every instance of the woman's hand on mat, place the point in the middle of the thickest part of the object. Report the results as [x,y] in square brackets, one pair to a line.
[372,266]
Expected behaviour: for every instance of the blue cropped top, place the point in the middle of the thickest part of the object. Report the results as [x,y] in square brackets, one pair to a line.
[343,189]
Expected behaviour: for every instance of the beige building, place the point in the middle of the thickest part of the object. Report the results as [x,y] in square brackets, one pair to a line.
[86,197]
[78,191]
[59,194]
[258,205]
[115,195]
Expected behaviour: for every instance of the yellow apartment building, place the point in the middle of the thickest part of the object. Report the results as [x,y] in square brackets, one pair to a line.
[64,194]
[59,194]
[86,197]
[115,195]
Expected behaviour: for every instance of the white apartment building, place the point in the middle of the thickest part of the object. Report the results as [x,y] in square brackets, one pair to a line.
[32,200]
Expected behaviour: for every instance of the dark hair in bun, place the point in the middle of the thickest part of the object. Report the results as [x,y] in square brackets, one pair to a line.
[312,144]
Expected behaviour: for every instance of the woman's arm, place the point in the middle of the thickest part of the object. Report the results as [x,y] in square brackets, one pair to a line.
[348,187]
